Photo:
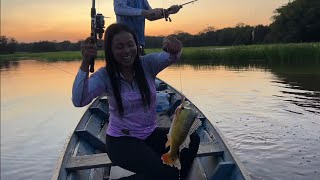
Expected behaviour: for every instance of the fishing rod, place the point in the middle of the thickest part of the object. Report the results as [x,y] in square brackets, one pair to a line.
[166,11]
[188,2]
[97,30]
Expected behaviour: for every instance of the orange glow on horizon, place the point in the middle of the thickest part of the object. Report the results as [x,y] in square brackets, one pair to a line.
[61,20]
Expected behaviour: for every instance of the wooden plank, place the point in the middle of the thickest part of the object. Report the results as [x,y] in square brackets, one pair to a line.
[209,149]
[88,162]
[91,139]
[94,125]
[223,170]
[101,110]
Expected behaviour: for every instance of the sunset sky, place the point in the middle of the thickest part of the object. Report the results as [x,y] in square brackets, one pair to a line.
[36,20]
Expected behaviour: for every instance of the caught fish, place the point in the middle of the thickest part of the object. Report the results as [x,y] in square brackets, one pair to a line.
[182,126]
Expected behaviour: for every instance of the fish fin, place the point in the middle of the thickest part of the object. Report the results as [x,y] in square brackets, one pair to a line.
[168,143]
[166,159]
[196,124]
[177,164]
[185,143]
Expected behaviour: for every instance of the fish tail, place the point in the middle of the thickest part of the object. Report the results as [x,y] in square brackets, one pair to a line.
[177,164]
[166,159]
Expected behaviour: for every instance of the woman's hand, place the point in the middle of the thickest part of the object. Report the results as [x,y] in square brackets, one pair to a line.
[88,51]
[171,44]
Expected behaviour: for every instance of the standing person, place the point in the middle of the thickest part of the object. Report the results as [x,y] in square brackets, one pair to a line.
[133,140]
[134,12]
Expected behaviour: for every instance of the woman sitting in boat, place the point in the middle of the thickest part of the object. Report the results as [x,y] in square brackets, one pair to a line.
[133,140]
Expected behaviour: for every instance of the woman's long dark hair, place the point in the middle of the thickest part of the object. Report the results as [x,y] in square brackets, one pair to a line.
[113,67]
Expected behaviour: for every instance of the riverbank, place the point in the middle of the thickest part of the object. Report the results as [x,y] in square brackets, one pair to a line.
[296,53]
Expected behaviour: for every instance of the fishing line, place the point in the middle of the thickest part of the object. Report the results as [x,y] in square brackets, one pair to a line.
[58,68]
[180,77]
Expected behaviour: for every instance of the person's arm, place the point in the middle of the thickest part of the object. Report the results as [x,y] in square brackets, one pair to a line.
[85,89]
[121,9]
[147,5]
[156,62]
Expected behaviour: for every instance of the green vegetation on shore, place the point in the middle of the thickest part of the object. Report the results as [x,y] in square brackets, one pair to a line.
[296,53]
[293,53]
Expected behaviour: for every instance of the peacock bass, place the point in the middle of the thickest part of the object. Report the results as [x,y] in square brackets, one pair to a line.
[182,126]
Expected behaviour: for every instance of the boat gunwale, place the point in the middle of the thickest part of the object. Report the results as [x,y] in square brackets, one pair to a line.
[228,151]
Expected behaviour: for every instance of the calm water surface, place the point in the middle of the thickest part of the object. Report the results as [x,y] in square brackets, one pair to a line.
[270,116]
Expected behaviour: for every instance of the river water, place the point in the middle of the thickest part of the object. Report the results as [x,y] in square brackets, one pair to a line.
[269,115]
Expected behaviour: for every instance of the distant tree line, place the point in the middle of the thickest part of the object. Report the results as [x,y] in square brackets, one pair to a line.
[48,46]
[297,21]
[7,45]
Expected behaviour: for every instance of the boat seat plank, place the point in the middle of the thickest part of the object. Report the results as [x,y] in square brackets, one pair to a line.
[101,110]
[88,162]
[94,125]
[102,159]
[209,149]
[91,139]
[223,170]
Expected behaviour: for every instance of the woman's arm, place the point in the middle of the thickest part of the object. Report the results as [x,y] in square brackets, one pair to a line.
[85,89]
[156,62]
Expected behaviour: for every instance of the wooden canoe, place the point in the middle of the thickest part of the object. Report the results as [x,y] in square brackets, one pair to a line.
[84,155]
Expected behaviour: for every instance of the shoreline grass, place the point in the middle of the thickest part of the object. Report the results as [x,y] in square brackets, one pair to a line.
[297,53]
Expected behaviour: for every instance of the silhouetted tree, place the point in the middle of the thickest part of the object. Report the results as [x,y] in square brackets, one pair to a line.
[44,46]
[7,45]
[298,21]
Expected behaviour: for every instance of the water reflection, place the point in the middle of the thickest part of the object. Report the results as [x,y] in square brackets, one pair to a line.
[232,66]
[304,78]
[301,86]
[8,64]
[269,115]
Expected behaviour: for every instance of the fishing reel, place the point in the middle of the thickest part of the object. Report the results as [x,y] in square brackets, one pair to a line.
[165,12]
[99,25]
[97,30]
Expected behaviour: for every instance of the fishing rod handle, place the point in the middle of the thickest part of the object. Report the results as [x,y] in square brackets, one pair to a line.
[91,65]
